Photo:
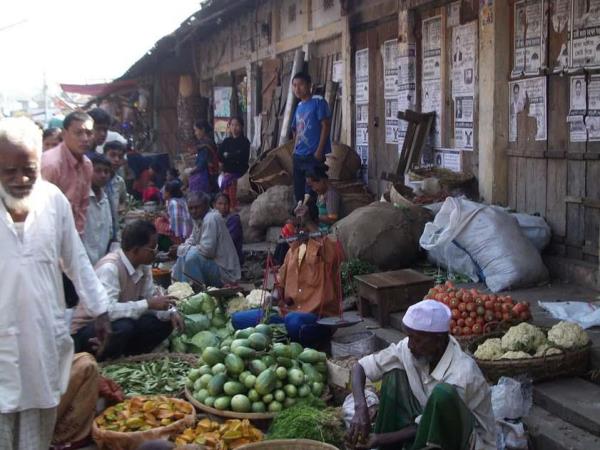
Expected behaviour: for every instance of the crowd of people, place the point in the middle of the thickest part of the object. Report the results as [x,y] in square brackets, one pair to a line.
[78,286]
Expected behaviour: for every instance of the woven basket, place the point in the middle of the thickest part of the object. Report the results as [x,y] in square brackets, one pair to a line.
[227,414]
[113,440]
[569,363]
[491,329]
[288,444]
[355,344]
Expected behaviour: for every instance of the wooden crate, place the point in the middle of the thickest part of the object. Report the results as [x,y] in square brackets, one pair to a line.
[390,292]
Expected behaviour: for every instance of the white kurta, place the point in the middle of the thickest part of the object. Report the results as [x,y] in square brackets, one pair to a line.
[36,349]
[455,368]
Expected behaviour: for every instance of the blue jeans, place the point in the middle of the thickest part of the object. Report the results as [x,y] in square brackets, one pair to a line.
[301,327]
[199,267]
[302,166]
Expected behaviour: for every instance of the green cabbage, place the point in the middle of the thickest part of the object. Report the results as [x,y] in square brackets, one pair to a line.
[192,305]
[204,339]
[194,323]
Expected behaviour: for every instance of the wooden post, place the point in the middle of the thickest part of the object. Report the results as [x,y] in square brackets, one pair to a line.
[291,99]
[347,88]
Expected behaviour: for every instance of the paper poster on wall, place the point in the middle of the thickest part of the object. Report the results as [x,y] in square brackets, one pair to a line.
[577,108]
[220,127]
[337,72]
[453,15]
[431,83]
[585,42]
[463,123]
[464,43]
[448,159]
[406,90]
[592,119]
[361,61]
[223,101]
[391,120]
[529,37]
[531,92]
[390,90]
[362,76]
[561,12]
[362,113]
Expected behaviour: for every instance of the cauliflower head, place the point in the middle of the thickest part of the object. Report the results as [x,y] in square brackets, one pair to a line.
[490,349]
[523,337]
[515,355]
[568,335]
[180,290]
[547,350]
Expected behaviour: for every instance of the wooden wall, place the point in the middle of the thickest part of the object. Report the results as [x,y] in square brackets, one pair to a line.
[558,179]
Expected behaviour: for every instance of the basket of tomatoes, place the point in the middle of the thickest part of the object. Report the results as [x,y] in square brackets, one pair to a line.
[475,313]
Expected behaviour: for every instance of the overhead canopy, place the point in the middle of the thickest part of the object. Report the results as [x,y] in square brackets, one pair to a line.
[99,89]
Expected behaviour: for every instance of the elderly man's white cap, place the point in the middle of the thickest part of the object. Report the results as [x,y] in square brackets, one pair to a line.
[428,315]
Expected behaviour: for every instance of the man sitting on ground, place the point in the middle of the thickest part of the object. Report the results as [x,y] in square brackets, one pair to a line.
[308,284]
[139,318]
[208,256]
[433,395]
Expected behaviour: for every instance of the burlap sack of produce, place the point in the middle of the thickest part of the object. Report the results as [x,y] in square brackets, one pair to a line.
[383,234]
[113,440]
[272,208]
[274,167]
[245,194]
[343,162]
[77,406]
[251,234]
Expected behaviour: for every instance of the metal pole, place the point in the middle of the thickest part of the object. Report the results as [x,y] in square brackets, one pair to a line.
[291,98]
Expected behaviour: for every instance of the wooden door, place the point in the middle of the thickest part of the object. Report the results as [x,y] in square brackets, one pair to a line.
[382,157]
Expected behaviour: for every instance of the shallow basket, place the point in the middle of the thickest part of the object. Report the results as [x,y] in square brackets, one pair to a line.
[227,414]
[288,444]
[355,344]
[569,363]
[115,440]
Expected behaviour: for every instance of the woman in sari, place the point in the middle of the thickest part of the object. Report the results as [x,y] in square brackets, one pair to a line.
[233,221]
[207,160]
[234,154]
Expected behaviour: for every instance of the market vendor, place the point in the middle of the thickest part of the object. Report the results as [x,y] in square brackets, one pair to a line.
[433,395]
[307,287]
[140,319]
[209,255]
[328,199]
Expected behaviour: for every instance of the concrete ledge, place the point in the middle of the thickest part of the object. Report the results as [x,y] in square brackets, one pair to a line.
[574,400]
[573,271]
[549,432]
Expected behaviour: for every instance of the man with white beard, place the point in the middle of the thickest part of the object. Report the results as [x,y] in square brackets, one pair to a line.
[39,240]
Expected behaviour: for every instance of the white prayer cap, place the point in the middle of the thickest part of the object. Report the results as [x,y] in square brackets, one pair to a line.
[428,315]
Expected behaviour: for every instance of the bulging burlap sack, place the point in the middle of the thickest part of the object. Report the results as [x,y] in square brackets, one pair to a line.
[251,234]
[245,194]
[383,234]
[272,208]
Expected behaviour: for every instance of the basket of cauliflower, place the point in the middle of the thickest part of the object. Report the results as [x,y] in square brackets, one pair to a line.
[538,353]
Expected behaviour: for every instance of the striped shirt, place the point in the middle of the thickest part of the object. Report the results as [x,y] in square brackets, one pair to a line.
[179,218]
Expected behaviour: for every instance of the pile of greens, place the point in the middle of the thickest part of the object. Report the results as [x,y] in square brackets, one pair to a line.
[351,268]
[309,420]
[164,376]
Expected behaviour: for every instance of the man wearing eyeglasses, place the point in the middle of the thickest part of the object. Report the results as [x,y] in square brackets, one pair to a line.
[140,319]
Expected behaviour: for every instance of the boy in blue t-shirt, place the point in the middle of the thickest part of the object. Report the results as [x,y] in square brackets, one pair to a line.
[311,126]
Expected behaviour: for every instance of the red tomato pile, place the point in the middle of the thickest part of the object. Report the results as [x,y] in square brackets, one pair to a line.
[472,310]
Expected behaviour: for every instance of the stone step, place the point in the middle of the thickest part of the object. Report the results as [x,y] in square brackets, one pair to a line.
[573,400]
[549,432]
